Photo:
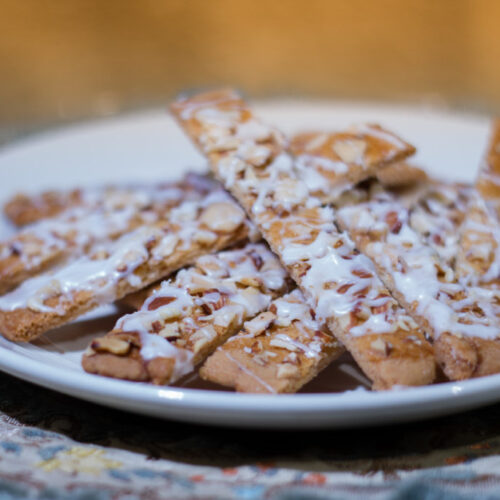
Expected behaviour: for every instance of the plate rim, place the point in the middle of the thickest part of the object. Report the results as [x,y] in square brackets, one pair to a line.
[11,360]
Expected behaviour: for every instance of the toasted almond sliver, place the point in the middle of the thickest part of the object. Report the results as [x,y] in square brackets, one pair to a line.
[112,345]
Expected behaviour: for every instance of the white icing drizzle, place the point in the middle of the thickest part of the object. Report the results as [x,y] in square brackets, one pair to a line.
[274,345]
[105,214]
[143,196]
[376,323]
[480,244]
[307,162]
[311,350]
[84,273]
[277,190]
[437,218]
[109,262]
[478,261]
[250,373]
[306,168]
[416,270]
[384,135]
[331,278]
[338,281]
[189,109]
[330,171]
[292,308]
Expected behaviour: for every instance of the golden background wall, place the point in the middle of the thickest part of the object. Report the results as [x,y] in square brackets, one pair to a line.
[62,60]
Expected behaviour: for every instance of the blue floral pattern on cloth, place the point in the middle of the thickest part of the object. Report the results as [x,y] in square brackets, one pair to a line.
[56,447]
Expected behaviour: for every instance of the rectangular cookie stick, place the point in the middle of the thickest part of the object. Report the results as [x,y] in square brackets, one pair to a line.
[278,351]
[185,320]
[488,180]
[340,284]
[442,217]
[478,259]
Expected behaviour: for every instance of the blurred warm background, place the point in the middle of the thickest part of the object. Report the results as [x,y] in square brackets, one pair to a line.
[66,60]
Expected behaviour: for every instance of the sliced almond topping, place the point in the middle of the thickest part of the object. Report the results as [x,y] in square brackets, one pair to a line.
[252,296]
[199,284]
[290,193]
[170,312]
[159,302]
[316,142]
[212,267]
[260,324]
[226,316]
[350,151]
[286,370]
[170,331]
[199,344]
[207,332]
[269,354]
[250,281]
[166,246]
[205,237]
[283,344]
[222,217]
[381,346]
[111,344]
[260,359]
[254,154]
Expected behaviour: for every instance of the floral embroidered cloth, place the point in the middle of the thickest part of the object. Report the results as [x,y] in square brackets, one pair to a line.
[53,446]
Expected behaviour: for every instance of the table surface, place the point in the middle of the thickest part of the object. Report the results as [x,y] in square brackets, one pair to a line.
[52,443]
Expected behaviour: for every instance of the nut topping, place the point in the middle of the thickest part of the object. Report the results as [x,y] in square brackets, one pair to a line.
[286,370]
[260,323]
[283,344]
[111,344]
[381,346]
[170,331]
[158,302]
[222,217]
[350,151]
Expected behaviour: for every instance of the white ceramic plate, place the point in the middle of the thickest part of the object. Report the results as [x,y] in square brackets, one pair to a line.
[149,147]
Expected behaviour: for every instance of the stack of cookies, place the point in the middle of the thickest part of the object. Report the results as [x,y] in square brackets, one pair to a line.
[260,274]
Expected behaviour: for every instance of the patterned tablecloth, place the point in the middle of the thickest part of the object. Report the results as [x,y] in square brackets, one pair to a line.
[56,447]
